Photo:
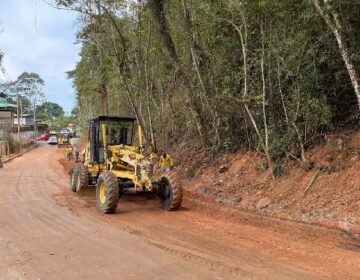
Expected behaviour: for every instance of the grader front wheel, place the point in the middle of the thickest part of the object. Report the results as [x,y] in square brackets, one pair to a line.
[82,178]
[170,194]
[107,193]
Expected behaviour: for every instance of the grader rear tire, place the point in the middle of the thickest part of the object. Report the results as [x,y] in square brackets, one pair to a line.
[170,194]
[73,176]
[107,193]
[83,177]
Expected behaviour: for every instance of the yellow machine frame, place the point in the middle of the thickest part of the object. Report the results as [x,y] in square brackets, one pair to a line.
[125,162]
[117,166]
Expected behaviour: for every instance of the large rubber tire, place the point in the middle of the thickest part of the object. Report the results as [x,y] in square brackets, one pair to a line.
[73,172]
[83,177]
[107,192]
[170,194]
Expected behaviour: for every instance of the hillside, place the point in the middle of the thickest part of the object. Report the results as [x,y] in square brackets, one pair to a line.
[327,194]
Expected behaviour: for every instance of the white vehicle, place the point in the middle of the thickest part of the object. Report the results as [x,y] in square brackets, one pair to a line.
[53,140]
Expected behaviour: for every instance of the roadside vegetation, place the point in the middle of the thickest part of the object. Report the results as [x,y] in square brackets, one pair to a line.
[271,76]
[27,93]
[27,96]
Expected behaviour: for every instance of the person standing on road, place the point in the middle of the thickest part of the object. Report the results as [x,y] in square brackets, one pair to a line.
[68,152]
[76,153]
[83,155]
[166,163]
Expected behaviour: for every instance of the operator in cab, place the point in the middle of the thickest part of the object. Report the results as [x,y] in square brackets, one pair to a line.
[111,138]
[166,163]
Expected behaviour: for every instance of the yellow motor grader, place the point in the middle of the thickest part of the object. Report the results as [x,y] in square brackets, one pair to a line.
[115,165]
[63,140]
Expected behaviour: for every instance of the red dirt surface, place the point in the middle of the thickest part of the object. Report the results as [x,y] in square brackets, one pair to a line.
[49,232]
[328,194]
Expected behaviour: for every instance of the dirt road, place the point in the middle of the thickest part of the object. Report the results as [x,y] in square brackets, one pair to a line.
[48,232]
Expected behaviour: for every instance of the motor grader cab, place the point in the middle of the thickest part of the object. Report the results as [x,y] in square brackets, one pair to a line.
[115,165]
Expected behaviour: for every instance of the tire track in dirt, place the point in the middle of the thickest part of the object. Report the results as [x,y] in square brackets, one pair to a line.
[213,265]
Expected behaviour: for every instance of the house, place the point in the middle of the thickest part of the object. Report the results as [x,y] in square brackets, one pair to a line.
[27,124]
[6,113]
[6,116]
[24,120]
[41,128]
[9,123]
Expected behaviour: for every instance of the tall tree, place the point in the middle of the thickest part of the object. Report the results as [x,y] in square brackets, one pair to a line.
[229,71]
[31,85]
[49,111]
[331,17]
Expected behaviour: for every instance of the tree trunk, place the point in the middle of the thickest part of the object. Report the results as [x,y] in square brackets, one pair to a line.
[157,8]
[335,28]
[103,74]
[264,142]
[266,131]
[124,72]
[212,115]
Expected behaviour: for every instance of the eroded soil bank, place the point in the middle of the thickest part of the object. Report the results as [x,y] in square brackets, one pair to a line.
[326,194]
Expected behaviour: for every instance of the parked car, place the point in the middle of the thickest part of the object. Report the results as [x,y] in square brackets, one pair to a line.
[44,137]
[53,140]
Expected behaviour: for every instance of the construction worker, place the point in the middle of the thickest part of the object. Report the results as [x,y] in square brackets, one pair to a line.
[69,151]
[166,162]
[83,155]
[76,153]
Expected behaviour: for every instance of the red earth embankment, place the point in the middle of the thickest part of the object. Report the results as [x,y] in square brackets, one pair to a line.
[328,193]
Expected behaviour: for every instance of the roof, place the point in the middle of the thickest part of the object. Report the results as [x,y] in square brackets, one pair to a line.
[4,104]
[107,118]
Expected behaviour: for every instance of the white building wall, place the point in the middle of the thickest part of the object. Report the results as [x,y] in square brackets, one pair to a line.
[26,137]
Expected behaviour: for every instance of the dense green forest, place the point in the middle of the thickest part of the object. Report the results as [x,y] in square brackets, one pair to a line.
[271,76]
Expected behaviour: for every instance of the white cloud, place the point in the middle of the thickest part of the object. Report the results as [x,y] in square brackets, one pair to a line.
[38,38]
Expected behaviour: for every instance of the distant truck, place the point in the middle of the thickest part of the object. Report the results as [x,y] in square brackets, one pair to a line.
[54,130]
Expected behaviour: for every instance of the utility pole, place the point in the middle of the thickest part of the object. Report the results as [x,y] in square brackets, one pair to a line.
[4,138]
[35,129]
[6,142]
[21,112]
[4,145]
[18,117]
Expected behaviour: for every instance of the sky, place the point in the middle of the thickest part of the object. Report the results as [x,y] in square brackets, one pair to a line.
[38,38]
